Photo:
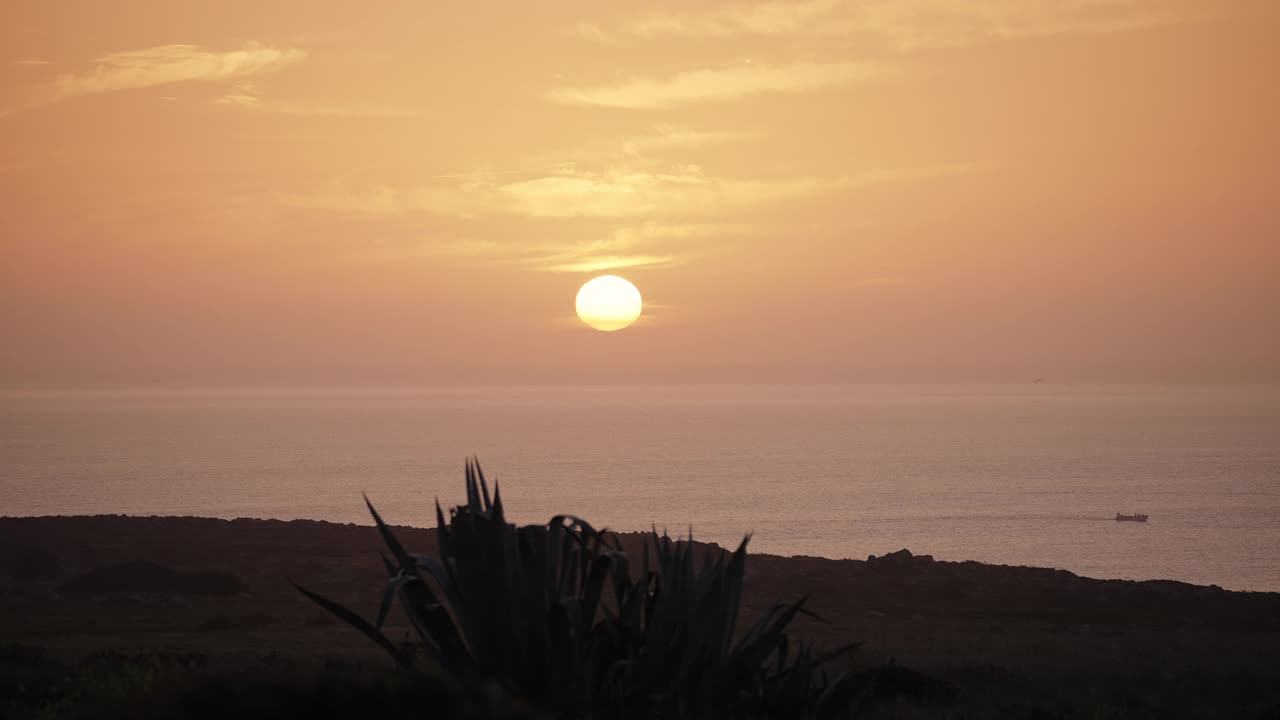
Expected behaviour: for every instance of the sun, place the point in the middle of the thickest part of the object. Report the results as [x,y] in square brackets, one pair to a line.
[608,303]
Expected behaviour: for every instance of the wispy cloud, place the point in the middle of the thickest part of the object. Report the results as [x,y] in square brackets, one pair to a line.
[33,62]
[770,18]
[676,192]
[915,24]
[644,244]
[904,24]
[683,191]
[258,104]
[245,96]
[717,84]
[635,244]
[596,263]
[658,216]
[662,145]
[668,137]
[165,65]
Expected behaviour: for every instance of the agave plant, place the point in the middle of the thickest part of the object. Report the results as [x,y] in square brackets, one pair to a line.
[556,614]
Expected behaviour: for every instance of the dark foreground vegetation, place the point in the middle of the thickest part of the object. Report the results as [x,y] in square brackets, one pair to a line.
[188,617]
[558,616]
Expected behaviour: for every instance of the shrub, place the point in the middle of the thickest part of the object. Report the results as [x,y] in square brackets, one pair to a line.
[555,614]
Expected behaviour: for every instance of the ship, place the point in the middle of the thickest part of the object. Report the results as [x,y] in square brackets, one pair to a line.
[1136,517]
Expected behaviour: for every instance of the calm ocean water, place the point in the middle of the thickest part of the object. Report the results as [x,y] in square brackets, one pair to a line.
[1029,475]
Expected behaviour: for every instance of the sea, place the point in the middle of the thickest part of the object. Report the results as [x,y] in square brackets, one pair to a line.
[1019,475]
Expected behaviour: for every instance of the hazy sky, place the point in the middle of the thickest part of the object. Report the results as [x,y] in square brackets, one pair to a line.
[323,191]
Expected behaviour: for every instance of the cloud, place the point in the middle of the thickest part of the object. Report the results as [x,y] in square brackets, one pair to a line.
[593,32]
[904,24]
[678,191]
[255,103]
[681,191]
[667,137]
[633,246]
[245,96]
[657,216]
[33,62]
[918,24]
[717,84]
[597,263]
[771,18]
[662,145]
[165,65]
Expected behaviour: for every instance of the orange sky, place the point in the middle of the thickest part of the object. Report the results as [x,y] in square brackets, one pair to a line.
[411,193]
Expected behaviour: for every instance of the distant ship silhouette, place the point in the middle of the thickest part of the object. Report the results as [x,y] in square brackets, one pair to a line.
[1136,517]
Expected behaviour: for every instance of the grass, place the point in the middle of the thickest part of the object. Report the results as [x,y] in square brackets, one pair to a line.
[110,685]
[188,685]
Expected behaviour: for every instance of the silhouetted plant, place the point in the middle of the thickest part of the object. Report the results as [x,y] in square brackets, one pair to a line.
[554,614]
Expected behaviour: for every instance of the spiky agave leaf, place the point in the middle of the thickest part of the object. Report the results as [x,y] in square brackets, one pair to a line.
[429,619]
[351,618]
[527,607]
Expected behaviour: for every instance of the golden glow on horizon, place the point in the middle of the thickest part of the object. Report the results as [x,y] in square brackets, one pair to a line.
[608,303]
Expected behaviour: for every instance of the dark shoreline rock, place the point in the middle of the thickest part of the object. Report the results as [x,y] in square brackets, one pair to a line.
[265,554]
